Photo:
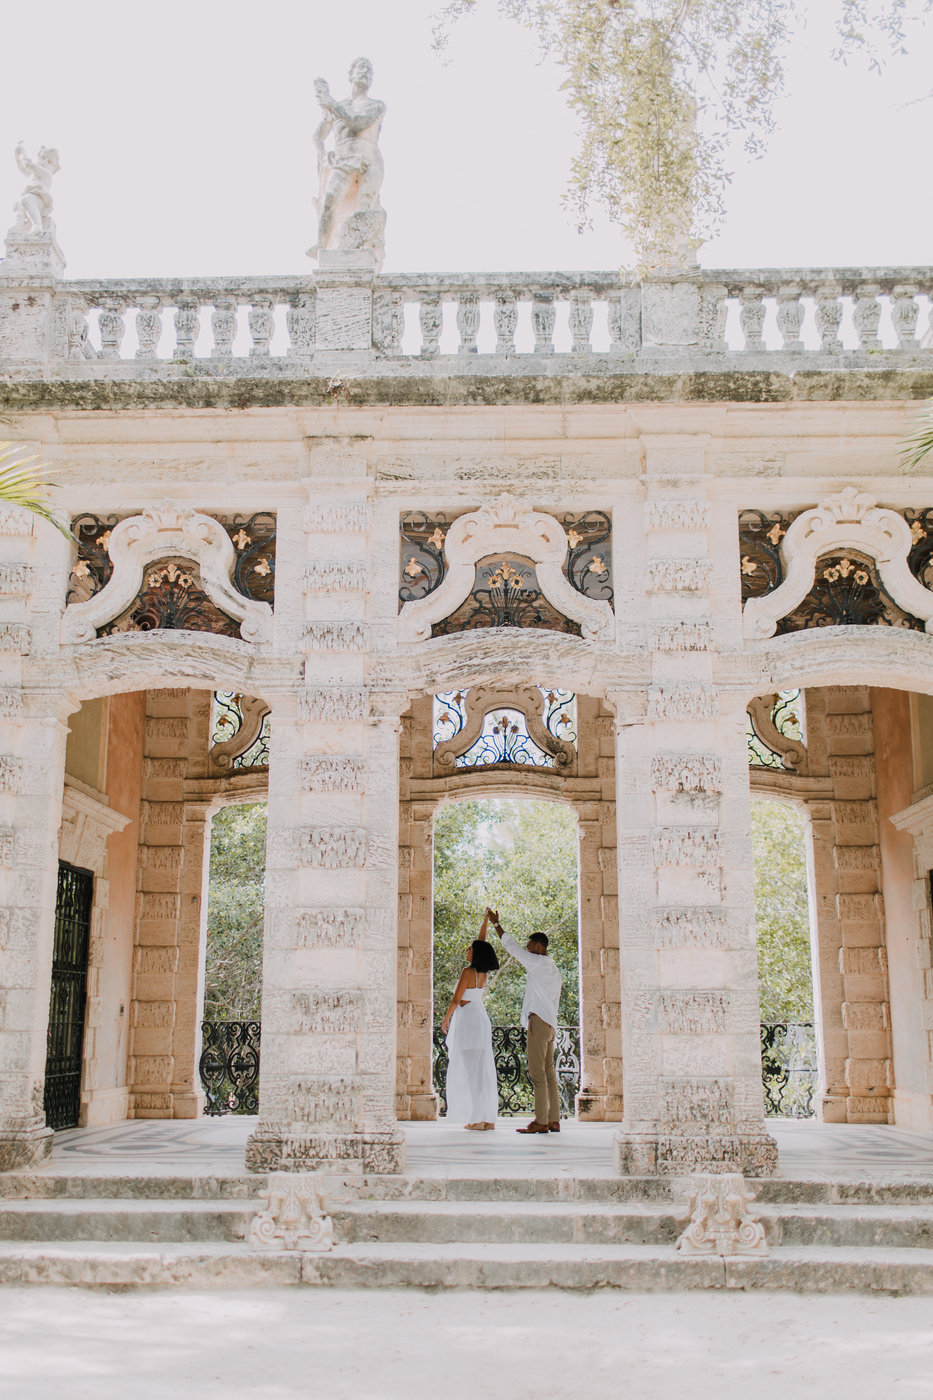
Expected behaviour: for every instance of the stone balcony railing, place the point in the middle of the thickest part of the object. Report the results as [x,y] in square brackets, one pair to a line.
[345,317]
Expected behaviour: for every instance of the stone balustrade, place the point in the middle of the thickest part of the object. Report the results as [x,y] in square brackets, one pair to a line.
[472,323]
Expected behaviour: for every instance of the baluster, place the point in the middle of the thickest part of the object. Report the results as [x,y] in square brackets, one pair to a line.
[468,322]
[223,327]
[752,318]
[78,346]
[790,318]
[388,311]
[828,318]
[261,320]
[581,320]
[904,313]
[867,316]
[505,319]
[186,327]
[148,327]
[714,308]
[543,316]
[110,324]
[300,321]
[431,317]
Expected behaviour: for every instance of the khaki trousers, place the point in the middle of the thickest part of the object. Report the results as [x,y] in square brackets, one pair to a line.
[541,1070]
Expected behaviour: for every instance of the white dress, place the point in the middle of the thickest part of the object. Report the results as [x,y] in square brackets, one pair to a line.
[472,1088]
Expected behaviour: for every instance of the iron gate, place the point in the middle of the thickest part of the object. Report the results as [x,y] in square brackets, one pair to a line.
[69,993]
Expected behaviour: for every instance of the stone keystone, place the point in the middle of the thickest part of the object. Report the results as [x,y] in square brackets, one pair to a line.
[294,1217]
[720,1221]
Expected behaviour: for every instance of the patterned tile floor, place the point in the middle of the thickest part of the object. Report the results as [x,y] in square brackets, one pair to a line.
[214,1146]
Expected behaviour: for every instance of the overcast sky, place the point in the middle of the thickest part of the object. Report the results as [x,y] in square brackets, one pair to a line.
[185,134]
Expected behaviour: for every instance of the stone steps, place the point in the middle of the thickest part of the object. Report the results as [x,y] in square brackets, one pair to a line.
[488,1266]
[142,1221]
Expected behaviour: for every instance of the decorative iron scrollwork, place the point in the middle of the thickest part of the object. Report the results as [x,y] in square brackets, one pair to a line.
[516,1094]
[505,736]
[172,598]
[760,535]
[920,558]
[785,717]
[588,565]
[93,567]
[847,591]
[230,713]
[254,540]
[506,593]
[422,565]
[229,1066]
[788,1068]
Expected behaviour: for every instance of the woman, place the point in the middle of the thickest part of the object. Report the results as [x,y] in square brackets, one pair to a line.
[472,1088]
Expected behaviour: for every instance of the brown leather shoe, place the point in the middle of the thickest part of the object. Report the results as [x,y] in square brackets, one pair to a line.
[553,1127]
[534,1127]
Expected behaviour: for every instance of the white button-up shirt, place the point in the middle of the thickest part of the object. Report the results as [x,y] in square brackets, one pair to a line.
[542,982]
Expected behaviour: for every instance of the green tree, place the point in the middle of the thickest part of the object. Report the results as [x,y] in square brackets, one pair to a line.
[662,88]
[520,857]
[233,973]
[20,485]
[782,912]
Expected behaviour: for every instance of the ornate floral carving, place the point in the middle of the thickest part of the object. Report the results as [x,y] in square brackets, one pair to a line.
[699,847]
[337,636]
[12,771]
[720,1221]
[14,580]
[327,773]
[692,1012]
[327,1013]
[677,515]
[678,575]
[294,1217]
[691,1101]
[686,772]
[333,847]
[15,638]
[336,703]
[691,926]
[682,702]
[338,518]
[333,576]
[329,928]
[683,636]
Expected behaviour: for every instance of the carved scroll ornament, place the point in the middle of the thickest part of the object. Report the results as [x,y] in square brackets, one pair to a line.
[851,520]
[507,527]
[160,532]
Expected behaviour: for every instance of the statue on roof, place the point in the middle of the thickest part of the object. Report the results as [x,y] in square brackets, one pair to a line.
[350,217]
[33,209]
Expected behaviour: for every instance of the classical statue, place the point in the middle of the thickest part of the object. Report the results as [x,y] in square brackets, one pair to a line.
[350,173]
[33,209]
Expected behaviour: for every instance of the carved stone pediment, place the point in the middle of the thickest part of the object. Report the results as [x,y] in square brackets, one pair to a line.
[162,532]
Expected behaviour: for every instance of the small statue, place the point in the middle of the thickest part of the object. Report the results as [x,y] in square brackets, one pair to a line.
[33,209]
[350,175]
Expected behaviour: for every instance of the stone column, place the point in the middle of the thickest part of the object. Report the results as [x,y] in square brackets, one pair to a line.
[34,322]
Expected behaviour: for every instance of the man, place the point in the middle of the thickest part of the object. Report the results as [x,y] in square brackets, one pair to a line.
[350,174]
[539,1017]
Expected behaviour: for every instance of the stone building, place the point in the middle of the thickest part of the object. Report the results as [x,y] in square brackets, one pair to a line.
[338,496]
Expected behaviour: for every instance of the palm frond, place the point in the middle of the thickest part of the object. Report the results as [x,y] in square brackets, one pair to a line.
[21,485]
[920,442]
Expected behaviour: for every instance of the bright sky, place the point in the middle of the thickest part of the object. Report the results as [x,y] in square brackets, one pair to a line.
[185,134]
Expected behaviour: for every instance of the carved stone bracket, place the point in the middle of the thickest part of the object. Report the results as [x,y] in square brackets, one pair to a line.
[792,752]
[483,699]
[720,1221]
[294,1217]
[850,519]
[160,532]
[507,527]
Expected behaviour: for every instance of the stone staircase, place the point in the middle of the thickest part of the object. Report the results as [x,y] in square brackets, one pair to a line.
[434,1232]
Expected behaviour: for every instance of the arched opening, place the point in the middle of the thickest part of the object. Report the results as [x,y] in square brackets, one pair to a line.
[780,840]
[521,857]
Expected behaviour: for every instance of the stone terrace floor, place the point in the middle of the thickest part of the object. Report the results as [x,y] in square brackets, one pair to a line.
[215,1146]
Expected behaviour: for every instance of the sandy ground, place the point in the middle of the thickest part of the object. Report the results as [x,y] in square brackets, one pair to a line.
[60,1344]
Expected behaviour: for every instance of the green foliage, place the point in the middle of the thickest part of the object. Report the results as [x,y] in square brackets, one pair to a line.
[521,858]
[661,88]
[782,912]
[21,486]
[233,976]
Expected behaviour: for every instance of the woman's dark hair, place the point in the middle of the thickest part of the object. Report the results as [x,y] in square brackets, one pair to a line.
[484,958]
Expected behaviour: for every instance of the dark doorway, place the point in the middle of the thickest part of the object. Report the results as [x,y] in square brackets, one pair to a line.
[69,994]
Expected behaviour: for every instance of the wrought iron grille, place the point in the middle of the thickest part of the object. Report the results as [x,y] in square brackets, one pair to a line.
[787,717]
[508,1047]
[172,598]
[227,721]
[588,565]
[253,539]
[760,535]
[847,591]
[69,995]
[422,565]
[229,1066]
[788,1068]
[93,567]
[504,737]
[505,593]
